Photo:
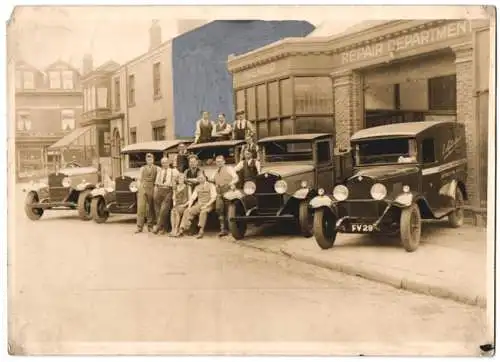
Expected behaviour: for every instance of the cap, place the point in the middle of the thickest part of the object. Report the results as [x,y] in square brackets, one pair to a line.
[149,155]
[240,111]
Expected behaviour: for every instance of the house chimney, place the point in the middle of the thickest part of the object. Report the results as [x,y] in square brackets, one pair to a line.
[88,64]
[154,35]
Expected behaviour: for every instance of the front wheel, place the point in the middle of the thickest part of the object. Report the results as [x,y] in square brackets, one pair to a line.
[84,202]
[456,218]
[410,227]
[324,228]
[98,211]
[31,212]
[236,228]
[305,219]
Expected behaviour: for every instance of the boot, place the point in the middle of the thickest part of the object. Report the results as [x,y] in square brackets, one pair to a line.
[180,233]
[138,230]
[223,231]
[200,234]
[156,230]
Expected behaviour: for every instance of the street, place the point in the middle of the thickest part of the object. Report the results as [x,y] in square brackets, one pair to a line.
[73,281]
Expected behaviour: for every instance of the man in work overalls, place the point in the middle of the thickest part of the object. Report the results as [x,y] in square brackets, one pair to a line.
[145,194]
[204,129]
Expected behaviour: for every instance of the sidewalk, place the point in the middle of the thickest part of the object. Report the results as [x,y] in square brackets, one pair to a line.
[450,263]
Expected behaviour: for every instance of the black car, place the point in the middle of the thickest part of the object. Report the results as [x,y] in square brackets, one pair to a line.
[120,196]
[403,173]
[67,188]
[294,168]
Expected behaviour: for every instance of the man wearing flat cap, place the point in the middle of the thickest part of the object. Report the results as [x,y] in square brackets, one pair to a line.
[145,194]
[242,128]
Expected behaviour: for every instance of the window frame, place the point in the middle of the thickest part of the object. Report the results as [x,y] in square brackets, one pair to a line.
[68,111]
[431,94]
[157,93]
[131,90]
[422,157]
[330,152]
[72,79]
[58,78]
[155,130]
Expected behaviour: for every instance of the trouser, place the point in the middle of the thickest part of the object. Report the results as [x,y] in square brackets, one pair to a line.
[176,216]
[221,204]
[194,211]
[145,206]
[163,205]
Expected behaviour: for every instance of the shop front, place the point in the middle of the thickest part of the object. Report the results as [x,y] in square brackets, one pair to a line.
[398,71]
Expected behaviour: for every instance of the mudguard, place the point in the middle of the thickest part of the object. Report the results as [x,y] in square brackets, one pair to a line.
[36,187]
[405,199]
[84,186]
[234,195]
[302,193]
[322,201]
[449,189]
[107,194]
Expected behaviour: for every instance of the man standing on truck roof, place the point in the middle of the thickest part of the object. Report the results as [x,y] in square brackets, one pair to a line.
[204,128]
[224,178]
[222,130]
[145,194]
[241,127]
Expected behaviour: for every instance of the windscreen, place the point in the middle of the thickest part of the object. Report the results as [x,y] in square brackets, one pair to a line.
[385,151]
[288,151]
[206,156]
[138,159]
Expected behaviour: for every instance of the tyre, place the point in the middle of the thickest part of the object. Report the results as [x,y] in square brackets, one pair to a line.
[324,228]
[98,212]
[306,219]
[84,202]
[410,227]
[236,228]
[456,218]
[31,212]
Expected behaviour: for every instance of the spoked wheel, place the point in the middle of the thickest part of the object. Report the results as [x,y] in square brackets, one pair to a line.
[84,205]
[411,227]
[456,218]
[236,228]
[98,210]
[31,212]
[306,219]
[324,228]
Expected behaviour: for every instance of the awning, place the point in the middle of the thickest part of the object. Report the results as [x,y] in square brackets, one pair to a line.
[70,138]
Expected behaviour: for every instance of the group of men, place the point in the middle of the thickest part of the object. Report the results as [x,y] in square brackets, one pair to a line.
[171,197]
[220,130]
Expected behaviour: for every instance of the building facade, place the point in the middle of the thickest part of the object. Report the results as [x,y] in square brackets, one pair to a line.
[159,94]
[48,106]
[396,71]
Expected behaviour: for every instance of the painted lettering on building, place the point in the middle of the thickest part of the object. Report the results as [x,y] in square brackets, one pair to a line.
[424,37]
[258,72]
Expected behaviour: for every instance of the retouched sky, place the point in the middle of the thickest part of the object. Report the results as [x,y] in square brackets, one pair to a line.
[46,34]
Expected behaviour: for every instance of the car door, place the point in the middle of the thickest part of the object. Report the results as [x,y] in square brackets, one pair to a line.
[324,165]
[431,177]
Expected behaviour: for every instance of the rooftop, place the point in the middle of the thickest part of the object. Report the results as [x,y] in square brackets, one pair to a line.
[410,129]
[295,137]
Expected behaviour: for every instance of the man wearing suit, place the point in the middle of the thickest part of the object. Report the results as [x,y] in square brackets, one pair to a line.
[242,128]
[145,194]
[163,195]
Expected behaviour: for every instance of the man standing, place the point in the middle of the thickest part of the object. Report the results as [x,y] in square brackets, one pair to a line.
[204,128]
[181,160]
[247,169]
[241,127]
[164,194]
[205,194]
[224,177]
[251,146]
[192,172]
[222,130]
[145,194]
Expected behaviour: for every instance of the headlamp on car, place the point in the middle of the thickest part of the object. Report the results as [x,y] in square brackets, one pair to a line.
[405,199]
[133,187]
[280,187]
[406,188]
[321,192]
[378,191]
[340,192]
[66,182]
[303,184]
[249,188]
[110,187]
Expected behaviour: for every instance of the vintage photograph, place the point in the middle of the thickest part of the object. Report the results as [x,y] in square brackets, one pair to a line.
[259,180]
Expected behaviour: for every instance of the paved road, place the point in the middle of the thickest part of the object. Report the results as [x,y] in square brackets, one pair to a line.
[75,281]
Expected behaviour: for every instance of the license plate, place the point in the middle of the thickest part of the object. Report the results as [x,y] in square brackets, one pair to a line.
[361,228]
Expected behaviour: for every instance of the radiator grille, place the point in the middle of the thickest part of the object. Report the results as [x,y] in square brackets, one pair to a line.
[268,201]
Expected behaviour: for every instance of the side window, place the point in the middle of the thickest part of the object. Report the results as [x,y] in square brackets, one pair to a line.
[324,152]
[428,153]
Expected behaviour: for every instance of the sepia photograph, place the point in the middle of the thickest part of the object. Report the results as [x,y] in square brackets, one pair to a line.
[251,180]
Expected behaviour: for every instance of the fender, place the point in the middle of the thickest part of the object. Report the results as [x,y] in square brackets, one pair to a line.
[322,201]
[303,193]
[84,186]
[234,195]
[107,195]
[405,199]
[36,187]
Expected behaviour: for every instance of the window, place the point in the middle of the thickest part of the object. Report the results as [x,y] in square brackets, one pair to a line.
[156,80]
[443,93]
[251,115]
[324,152]
[23,121]
[131,90]
[286,97]
[159,133]
[29,80]
[55,80]
[102,97]
[67,119]
[273,100]
[397,150]
[313,95]
[428,153]
[19,79]
[262,101]
[117,94]
[133,135]
[67,76]
[288,151]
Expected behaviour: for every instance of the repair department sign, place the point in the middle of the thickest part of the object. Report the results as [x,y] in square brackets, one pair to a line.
[408,41]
